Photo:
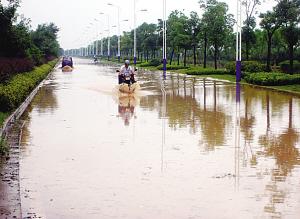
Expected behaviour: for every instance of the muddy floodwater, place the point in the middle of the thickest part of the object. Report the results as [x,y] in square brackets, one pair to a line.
[183,148]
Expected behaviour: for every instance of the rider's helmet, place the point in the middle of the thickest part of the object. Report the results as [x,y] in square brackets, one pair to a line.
[127,62]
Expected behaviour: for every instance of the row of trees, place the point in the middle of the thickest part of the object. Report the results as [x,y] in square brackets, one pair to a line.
[211,37]
[19,41]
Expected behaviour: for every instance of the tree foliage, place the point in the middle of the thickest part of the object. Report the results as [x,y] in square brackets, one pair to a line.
[20,41]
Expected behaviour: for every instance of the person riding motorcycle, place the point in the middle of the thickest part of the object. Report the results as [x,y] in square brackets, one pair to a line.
[126,74]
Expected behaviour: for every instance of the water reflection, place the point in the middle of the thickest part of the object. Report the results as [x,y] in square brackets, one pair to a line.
[45,101]
[126,106]
[283,148]
[195,135]
[202,106]
[184,109]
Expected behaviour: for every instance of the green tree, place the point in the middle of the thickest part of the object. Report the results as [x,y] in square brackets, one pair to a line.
[220,25]
[248,35]
[16,37]
[45,38]
[270,24]
[179,33]
[288,13]
[202,35]
[194,23]
[126,44]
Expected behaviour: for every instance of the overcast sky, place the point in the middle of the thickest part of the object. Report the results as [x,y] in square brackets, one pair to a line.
[74,16]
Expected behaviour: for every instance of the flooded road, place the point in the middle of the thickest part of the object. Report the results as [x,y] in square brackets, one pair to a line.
[183,148]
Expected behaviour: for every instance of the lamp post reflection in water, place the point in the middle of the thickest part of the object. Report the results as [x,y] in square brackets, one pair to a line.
[237,134]
[163,119]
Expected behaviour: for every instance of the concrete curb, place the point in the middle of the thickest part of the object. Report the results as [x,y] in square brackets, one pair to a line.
[10,199]
[8,123]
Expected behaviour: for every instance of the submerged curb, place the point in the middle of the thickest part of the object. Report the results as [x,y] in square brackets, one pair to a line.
[10,200]
[8,123]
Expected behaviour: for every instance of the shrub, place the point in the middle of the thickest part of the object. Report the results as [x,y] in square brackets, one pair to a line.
[10,67]
[144,64]
[18,88]
[173,67]
[207,71]
[285,66]
[3,147]
[247,66]
[271,79]
[155,62]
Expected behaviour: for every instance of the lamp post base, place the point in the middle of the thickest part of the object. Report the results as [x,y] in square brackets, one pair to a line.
[134,60]
[118,58]
[238,92]
[164,67]
[238,70]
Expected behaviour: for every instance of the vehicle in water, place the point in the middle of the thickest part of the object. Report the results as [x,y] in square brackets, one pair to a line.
[67,64]
[96,60]
[128,84]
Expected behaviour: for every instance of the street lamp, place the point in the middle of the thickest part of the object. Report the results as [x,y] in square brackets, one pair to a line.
[239,41]
[134,31]
[108,37]
[119,34]
[164,38]
[97,45]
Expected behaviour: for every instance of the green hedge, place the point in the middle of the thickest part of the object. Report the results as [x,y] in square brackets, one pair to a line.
[285,66]
[153,62]
[272,79]
[247,66]
[19,87]
[207,71]
[173,67]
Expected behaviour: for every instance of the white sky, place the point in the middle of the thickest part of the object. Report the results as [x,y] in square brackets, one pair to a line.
[73,16]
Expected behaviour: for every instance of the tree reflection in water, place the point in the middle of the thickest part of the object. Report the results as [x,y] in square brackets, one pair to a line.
[183,110]
[283,149]
[45,100]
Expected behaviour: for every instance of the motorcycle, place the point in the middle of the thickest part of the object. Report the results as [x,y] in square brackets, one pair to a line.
[127,84]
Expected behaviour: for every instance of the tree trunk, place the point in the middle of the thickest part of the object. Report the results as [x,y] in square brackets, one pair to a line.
[147,55]
[194,54]
[269,52]
[205,48]
[178,57]
[184,59]
[216,56]
[171,58]
[247,50]
[291,57]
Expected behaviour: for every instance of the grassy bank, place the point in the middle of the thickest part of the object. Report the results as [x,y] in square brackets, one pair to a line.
[3,147]
[3,116]
[295,88]
[273,80]
[14,92]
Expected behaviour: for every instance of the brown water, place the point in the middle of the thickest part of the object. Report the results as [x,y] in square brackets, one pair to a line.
[182,148]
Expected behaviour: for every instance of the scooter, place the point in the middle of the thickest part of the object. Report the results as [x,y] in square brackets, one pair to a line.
[127,84]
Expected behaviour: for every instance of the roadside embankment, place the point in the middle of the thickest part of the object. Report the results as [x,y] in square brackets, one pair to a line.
[15,96]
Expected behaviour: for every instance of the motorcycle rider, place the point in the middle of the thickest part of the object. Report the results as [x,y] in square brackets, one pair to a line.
[126,72]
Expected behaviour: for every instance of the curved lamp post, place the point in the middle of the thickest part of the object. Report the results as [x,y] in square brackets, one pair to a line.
[164,38]
[239,41]
[134,31]
[108,37]
[119,34]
